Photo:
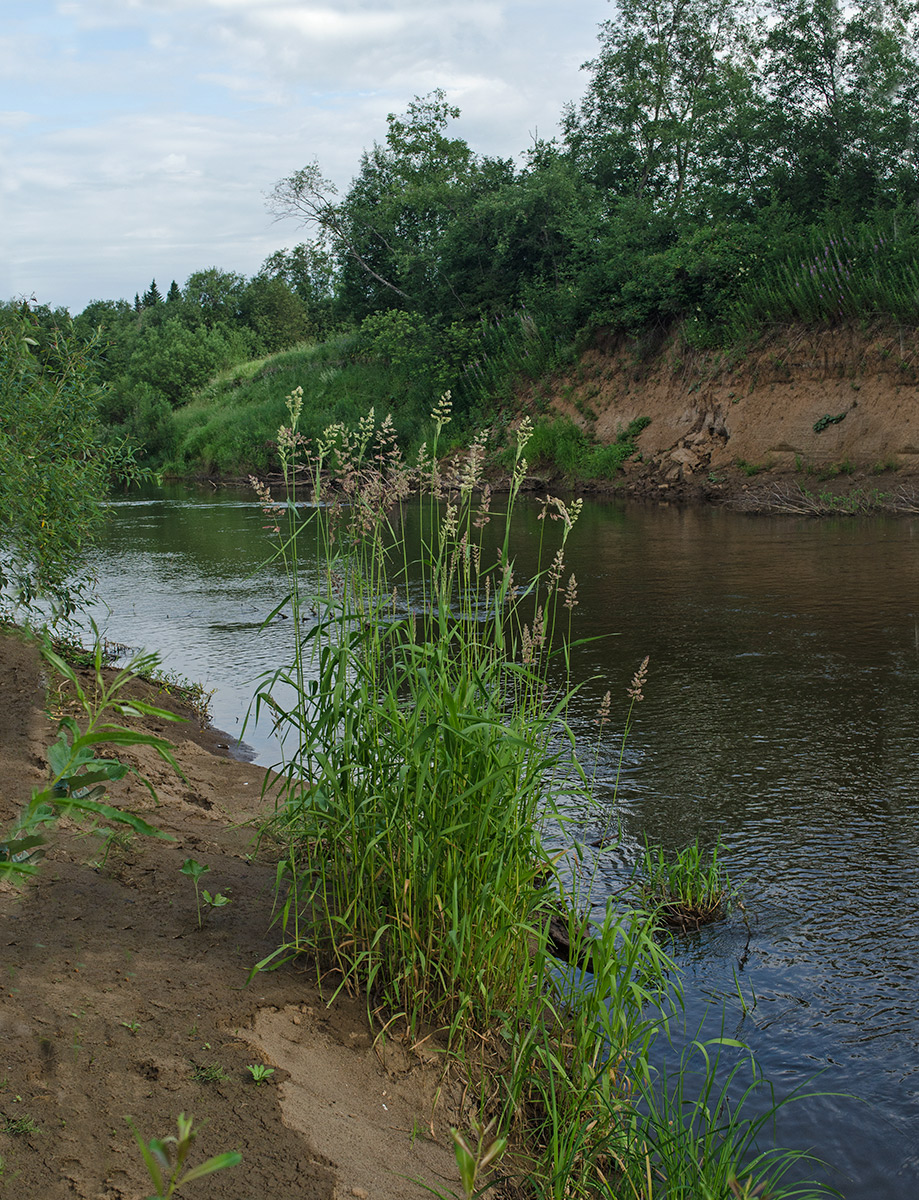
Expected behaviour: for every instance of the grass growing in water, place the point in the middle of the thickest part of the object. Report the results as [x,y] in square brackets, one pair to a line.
[427,750]
[685,891]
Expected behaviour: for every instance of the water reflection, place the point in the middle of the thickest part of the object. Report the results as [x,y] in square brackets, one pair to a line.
[779,715]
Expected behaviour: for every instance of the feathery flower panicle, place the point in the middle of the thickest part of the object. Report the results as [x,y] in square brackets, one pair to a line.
[554,574]
[638,681]
[483,515]
[571,593]
[442,409]
[385,448]
[294,404]
[269,508]
[539,628]
[603,711]
[524,433]
[472,466]
[557,510]
[508,586]
[526,646]
[289,440]
[552,508]
[449,525]
[261,490]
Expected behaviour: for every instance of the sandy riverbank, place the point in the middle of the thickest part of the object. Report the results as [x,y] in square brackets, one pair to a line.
[113,1000]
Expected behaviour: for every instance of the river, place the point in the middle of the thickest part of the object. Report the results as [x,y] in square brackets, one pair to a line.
[779,715]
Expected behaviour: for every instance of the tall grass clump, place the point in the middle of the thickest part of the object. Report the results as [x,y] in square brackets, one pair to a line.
[426,736]
[427,749]
[502,351]
[837,272]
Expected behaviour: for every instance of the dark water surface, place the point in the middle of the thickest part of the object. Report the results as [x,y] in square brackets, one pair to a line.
[779,714]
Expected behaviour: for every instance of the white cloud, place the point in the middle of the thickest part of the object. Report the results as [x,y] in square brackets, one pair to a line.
[138,137]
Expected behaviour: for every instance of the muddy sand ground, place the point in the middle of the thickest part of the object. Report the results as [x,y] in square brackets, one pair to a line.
[113,1002]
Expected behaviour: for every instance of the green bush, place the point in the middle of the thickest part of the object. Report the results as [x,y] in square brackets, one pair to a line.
[57,467]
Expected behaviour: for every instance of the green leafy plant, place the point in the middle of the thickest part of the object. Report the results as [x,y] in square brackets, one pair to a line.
[832,470]
[478,1155]
[57,466]
[112,839]
[750,468]
[695,1136]
[196,871]
[260,1073]
[165,1159]
[78,778]
[218,900]
[826,420]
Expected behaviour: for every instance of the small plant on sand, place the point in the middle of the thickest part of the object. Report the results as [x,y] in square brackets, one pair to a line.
[78,778]
[20,1126]
[476,1155]
[195,871]
[208,1073]
[684,891]
[112,839]
[217,900]
[165,1159]
[260,1073]
[750,468]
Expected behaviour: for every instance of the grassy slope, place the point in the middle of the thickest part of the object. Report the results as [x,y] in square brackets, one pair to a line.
[230,426]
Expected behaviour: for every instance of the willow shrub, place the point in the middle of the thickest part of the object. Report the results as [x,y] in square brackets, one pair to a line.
[55,470]
[426,749]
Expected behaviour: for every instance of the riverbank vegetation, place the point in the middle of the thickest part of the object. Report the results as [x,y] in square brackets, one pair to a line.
[58,466]
[728,169]
[426,753]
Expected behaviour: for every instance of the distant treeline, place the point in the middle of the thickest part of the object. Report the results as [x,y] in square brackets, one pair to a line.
[730,166]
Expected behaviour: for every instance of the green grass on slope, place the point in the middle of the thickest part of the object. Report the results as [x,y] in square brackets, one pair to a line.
[231,425]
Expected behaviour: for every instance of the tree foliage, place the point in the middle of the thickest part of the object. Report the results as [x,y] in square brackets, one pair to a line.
[719,145]
[56,464]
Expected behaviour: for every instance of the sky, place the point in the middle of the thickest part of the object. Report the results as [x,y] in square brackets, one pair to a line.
[139,138]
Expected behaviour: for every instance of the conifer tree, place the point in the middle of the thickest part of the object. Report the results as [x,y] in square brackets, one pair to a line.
[152,296]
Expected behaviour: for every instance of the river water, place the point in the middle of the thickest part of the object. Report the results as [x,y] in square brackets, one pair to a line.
[779,715]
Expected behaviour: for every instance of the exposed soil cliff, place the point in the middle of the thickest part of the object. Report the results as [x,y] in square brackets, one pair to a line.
[834,405]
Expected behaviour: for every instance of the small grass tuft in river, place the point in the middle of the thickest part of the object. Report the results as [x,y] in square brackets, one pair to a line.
[684,891]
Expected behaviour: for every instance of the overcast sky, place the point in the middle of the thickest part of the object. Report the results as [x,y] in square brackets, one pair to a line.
[138,137]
